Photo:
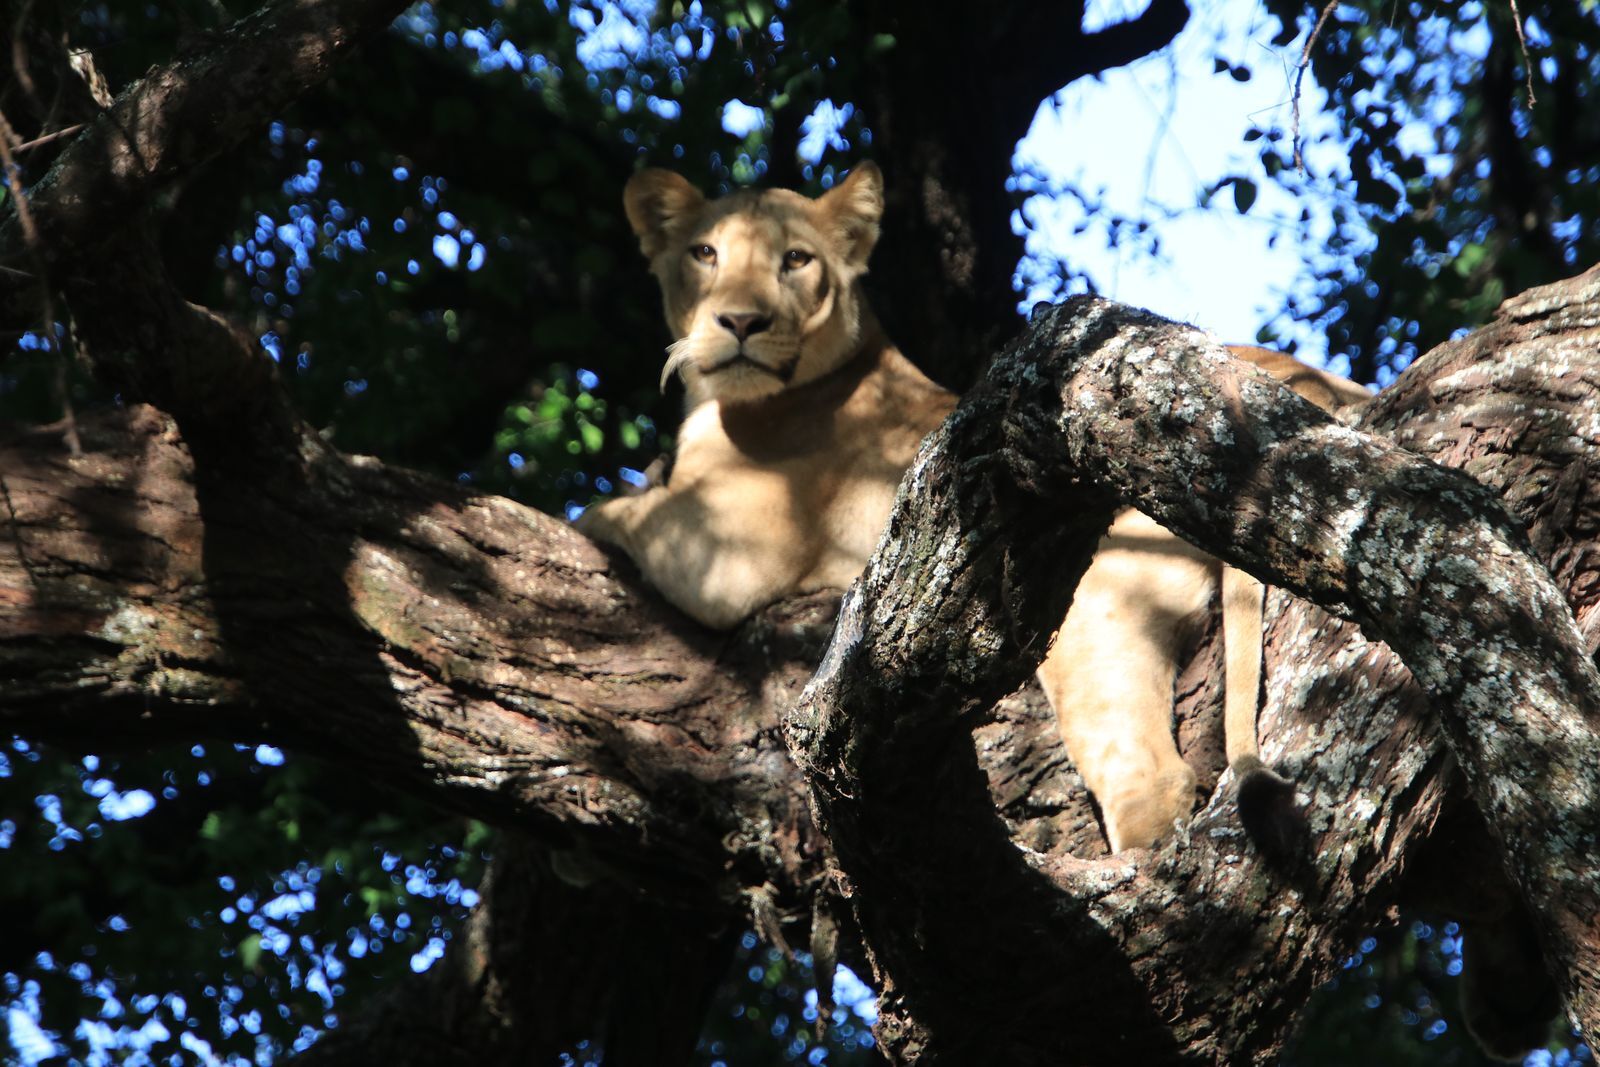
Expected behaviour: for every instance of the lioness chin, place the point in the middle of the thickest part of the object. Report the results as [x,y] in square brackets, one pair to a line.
[802,419]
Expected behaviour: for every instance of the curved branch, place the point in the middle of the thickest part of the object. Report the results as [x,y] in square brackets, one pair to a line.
[1426,559]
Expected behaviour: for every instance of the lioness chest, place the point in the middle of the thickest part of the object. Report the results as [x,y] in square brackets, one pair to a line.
[791,493]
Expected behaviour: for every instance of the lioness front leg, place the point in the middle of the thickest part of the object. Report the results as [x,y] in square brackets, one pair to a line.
[1109,676]
[716,569]
[611,522]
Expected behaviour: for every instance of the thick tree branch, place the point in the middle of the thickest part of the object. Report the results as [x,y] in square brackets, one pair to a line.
[466,643]
[1421,555]
[1423,558]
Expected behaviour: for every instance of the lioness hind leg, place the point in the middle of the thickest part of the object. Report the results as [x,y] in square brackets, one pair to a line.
[1117,726]
[1110,670]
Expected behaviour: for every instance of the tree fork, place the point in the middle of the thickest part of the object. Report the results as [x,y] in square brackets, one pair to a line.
[1099,395]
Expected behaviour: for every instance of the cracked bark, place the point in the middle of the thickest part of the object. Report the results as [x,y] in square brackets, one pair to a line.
[1210,945]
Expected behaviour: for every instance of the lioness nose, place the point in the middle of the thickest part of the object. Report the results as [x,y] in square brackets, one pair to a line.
[744,324]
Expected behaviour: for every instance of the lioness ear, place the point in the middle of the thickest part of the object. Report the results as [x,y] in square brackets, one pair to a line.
[658,202]
[854,207]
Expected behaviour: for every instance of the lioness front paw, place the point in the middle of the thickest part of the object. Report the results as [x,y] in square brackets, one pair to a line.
[599,523]
[1138,818]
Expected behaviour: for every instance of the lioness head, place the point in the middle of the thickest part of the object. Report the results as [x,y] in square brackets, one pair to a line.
[760,287]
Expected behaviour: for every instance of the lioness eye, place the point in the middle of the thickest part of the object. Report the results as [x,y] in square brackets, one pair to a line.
[704,253]
[794,259]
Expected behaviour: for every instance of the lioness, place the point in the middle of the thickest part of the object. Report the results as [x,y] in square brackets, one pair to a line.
[802,418]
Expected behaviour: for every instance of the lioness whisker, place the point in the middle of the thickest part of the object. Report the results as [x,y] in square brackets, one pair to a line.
[678,354]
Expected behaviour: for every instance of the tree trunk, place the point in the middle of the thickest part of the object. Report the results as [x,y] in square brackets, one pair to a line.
[946,149]
[553,960]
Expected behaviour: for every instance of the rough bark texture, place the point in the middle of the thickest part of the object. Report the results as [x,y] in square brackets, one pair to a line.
[1210,941]
[515,668]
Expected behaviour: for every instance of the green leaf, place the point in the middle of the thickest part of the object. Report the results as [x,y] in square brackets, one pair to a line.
[373,898]
[1470,258]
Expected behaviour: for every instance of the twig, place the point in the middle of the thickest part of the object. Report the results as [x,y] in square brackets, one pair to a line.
[1527,64]
[13,179]
[1299,75]
[47,138]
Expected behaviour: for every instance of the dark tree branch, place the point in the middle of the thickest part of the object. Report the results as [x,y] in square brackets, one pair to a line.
[52,91]
[181,115]
[950,300]
[1052,50]
[189,360]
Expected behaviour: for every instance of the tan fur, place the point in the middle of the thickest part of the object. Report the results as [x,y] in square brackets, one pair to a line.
[798,434]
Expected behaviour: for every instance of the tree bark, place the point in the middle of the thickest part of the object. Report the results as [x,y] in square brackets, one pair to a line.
[1205,939]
